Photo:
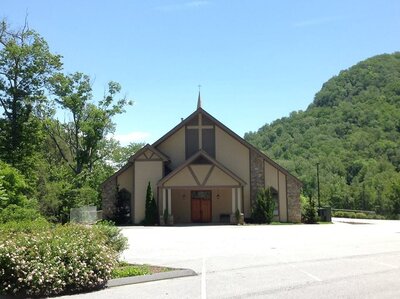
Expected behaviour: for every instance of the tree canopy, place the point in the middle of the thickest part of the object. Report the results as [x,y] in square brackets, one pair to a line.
[26,64]
[47,163]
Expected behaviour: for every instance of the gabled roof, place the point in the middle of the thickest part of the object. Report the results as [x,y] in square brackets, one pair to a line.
[132,158]
[151,149]
[227,130]
[119,171]
[163,157]
[212,161]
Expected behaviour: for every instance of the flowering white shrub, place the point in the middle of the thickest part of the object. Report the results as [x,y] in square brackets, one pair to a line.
[56,260]
[114,237]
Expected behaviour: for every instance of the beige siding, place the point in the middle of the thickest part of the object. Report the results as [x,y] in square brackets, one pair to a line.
[223,205]
[282,198]
[180,205]
[236,157]
[220,178]
[182,178]
[145,171]
[141,157]
[125,181]
[174,148]
[277,180]
[271,175]
[185,178]
[201,172]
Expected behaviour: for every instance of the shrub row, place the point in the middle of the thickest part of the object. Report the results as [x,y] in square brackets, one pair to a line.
[356,215]
[16,213]
[40,259]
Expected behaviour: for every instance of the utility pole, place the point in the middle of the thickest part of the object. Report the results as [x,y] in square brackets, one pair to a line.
[319,199]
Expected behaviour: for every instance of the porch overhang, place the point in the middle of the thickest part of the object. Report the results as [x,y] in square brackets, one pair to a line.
[201,171]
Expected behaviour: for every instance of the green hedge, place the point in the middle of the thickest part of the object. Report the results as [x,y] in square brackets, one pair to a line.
[361,216]
[358,215]
[16,213]
[40,259]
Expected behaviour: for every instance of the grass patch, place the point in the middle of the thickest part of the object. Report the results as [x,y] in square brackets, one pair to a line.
[324,222]
[127,270]
[282,223]
[272,223]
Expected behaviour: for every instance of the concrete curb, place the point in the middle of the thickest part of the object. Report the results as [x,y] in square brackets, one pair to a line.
[151,277]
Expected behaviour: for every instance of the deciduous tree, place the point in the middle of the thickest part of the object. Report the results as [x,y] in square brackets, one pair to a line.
[26,64]
[81,139]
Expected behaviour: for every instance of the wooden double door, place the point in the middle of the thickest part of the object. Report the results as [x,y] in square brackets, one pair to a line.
[201,206]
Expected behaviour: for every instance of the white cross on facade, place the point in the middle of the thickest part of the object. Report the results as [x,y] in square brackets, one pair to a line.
[200,127]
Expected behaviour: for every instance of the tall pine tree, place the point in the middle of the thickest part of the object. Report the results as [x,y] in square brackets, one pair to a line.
[151,211]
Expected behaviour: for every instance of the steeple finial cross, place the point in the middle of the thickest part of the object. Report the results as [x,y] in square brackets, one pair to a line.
[199,99]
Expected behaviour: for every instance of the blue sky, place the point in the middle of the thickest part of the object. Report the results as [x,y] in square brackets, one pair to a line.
[255,60]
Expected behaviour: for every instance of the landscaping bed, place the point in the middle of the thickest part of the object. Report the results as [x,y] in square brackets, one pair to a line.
[124,269]
[38,258]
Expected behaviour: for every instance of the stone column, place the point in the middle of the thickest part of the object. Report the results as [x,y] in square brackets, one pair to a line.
[257,177]
[109,198]
[293,199]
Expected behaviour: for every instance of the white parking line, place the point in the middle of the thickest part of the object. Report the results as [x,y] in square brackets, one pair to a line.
[310,275]
[203,280]
[305,272]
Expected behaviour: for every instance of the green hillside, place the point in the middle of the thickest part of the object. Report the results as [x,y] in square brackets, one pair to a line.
[352,129]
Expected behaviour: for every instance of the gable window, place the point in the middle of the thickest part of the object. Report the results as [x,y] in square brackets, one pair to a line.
[200,134]
[192,142]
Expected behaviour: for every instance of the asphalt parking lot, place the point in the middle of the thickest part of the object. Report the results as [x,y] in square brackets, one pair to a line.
[260,261]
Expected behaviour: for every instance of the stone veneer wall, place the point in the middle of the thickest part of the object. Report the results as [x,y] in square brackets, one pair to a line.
[257,180]
[293,199]
[109,198]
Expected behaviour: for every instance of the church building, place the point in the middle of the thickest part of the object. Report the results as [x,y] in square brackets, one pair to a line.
[201,172]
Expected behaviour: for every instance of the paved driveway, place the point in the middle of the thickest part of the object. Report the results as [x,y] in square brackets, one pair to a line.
[280,261]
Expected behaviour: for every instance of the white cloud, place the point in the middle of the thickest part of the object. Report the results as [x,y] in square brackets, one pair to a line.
[134,136]
[183,6]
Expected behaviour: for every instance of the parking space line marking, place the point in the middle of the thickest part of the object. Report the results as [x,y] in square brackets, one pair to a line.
[203,280]
[310,275]
[305,272]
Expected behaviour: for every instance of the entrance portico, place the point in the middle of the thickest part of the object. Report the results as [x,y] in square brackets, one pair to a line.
[201,205]
[201,190]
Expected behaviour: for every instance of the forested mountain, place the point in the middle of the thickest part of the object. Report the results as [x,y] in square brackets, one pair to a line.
[352,129]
